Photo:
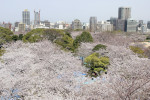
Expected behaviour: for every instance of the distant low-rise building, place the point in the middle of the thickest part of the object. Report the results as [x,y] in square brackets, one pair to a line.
[21,27]
[144,28]
[16,24]
[76,24]
[148,24]
[85,26]
[7,25]
[131,26]
[104,26]
[41,25]
[46,23]
[113,21]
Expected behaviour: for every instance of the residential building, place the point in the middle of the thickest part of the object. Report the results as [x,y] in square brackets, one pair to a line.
[26,17]
[93,24]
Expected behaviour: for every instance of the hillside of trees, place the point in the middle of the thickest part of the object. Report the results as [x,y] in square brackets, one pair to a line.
[50,64]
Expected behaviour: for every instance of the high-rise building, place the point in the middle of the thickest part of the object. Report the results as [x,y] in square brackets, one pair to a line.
[93,24]
[36,18]
[124,13]
[76,24]
[148,24]
[26,17]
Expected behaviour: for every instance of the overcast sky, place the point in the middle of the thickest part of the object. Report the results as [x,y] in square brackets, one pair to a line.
[68,10]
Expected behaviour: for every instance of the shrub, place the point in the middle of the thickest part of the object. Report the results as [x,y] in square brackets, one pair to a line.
[97,64]
[99,46]
[20,36]
[84,37]
[138,51]
[2,51]
[69,34]
[15,37]
[148,37]
[77,42]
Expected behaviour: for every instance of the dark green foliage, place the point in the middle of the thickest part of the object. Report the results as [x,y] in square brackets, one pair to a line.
[78,29]
[15,37]
[66,42]
[60,37]
[5,35]
[76,42]
[69,34]
[53,34]
[99,46]
[148,37]
[20,36]
[33,36]
[97,64]
[84,37]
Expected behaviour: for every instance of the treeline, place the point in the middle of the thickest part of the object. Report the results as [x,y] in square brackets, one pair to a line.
[60,37]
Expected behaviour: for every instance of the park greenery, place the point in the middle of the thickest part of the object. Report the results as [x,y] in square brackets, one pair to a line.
[84,37]
[2,51]
[33,36]
[5,35]
[98,47]
[96,64]
[148,37]
[60,37]
[138,51]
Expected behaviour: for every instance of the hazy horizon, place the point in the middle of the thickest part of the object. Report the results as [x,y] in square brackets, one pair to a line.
[68,10]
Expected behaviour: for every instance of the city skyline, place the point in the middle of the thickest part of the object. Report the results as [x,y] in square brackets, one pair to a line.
[69,10]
